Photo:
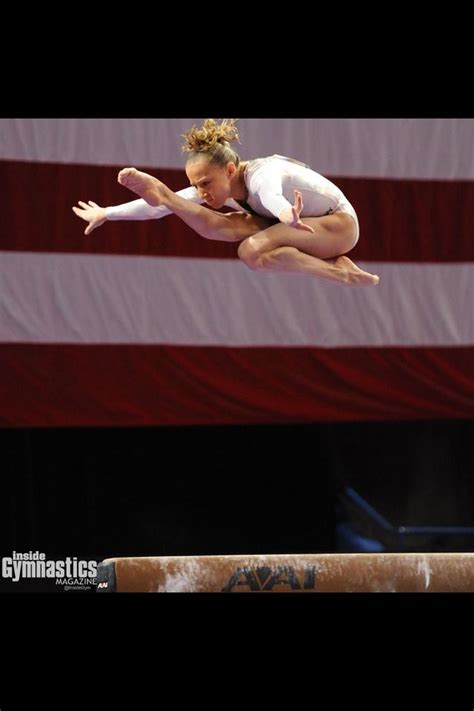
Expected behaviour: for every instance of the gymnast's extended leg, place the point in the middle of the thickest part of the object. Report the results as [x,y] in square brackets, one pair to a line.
[266,244]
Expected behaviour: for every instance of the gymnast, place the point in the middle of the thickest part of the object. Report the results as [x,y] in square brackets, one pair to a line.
[286,216]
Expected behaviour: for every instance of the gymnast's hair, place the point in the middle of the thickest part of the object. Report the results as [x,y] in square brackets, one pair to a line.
[212,140]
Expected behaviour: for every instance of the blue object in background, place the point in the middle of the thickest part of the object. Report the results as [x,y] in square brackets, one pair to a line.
[349,541]
[364,530]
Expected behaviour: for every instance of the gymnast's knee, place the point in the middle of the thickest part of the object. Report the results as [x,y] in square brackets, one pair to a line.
[250,253]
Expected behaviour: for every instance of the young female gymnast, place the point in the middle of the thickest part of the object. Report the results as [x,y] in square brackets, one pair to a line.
[288,217]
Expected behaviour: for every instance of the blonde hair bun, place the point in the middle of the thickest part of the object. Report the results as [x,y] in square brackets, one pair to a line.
[205,138]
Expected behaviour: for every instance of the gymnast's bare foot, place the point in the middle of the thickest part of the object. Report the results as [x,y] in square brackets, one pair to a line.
[152,190]
[353,276]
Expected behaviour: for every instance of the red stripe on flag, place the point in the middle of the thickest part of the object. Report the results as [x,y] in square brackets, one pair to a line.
[58,385]
[401,220]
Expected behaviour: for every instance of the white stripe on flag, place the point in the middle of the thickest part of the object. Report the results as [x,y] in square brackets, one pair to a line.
[89,299]
[421,148]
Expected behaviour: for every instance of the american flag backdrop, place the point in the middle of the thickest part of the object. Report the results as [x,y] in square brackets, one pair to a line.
[146,323]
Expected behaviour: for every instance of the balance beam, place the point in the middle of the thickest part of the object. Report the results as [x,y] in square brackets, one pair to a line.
[346,572]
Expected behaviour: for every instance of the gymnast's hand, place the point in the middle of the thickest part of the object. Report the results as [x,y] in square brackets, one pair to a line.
[91,213]
[291,215]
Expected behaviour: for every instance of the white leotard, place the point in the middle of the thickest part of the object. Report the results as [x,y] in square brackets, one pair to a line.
[271,183]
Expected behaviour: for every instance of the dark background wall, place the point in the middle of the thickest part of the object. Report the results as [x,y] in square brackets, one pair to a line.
[98,493]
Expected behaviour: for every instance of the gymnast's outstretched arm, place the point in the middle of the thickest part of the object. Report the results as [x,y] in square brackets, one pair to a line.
[95,215]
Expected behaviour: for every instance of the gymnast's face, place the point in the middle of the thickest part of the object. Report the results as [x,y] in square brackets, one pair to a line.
[212,182]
